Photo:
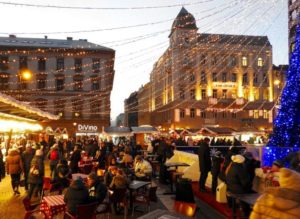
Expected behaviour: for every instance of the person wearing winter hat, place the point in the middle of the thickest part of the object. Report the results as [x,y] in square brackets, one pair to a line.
[14,167]
[238,180]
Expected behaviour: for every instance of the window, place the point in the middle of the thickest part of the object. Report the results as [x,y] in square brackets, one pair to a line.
[23,62]
[214,60]
[95,108]
[245,78]
[181,94]
[244,61]
[215,93]
[41,83]
[78,65]
[265,78]
[96,65]
[224,77]
[60,64]
[78,85]
[192,77]
[232,61]
[233,77]
[60,83]
[4,78]
[192,94]
[95,85]
[203,114]
[77,107]
[182,113]
[192,113]
[203,94]
[256,114]
[224,94]
[4,63]
[233,115]
[224,114]
[255,79]
[215,77]
[41,64]
[266,114]
[203,59]
[259,62]
[203,77]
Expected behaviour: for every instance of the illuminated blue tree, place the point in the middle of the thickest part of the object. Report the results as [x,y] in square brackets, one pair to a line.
[286,132]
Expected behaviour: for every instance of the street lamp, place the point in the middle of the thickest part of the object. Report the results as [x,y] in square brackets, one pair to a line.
[26,75]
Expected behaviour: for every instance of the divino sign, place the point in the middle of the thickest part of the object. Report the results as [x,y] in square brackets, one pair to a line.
[87,128]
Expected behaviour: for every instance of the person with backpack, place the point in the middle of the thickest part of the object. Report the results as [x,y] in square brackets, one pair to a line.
[54,157]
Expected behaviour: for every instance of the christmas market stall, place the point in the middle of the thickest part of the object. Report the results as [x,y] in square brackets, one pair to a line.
[144,134]
[117,134]
[19,122]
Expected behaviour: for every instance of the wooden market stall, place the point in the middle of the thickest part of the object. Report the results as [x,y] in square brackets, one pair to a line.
[18,119]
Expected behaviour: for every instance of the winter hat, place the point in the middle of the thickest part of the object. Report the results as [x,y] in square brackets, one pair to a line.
[39,153]
[237,158]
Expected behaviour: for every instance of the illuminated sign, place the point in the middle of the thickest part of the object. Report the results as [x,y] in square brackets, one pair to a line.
[224,84]
[87,128]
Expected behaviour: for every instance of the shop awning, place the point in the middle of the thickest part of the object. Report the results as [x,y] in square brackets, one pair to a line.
[217,131]
[117,131]
[144,130]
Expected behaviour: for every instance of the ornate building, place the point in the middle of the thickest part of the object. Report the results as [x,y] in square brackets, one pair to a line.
[70,78]
[211,80]
[294,13]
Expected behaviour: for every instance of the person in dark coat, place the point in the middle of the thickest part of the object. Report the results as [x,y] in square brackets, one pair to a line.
[251,164]
[61,177]
[98,190]
[2,166]
[233,150]
[238,180]
[27,157]
[216,169]
[36,173]
[76,194]
[74,159]
[204,162]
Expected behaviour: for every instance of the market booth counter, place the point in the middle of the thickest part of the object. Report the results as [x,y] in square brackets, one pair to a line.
[18,119]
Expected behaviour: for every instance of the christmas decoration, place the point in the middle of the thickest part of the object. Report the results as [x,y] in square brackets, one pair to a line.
[285,137]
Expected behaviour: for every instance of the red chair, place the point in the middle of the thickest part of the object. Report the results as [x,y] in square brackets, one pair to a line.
[86,211]
[31,209]
[185,208]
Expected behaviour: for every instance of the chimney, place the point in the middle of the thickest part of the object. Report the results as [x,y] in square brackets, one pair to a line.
[69,38]
[12,36]
[46,37]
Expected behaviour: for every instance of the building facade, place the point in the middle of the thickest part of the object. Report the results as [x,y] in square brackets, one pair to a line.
[131,110]
[212,80]
[69,78]
[294,13]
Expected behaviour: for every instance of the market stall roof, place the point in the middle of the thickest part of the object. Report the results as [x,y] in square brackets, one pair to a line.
[118,131]
[249,130]
[13,107]
[217,130]
[144,129]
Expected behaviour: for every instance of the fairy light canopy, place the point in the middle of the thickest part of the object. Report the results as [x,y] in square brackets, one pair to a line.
[11,108]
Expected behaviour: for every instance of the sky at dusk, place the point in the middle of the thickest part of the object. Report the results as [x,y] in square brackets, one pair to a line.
[138,48]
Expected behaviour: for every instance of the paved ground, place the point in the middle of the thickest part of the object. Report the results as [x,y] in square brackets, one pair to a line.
[11,206]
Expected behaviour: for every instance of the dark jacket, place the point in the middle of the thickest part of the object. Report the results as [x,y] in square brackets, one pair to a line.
[76,194]
[251,165]
[216,165]
[237,179]
[74,159]
[100,192]
[37,161]
[27,157]
[204,157]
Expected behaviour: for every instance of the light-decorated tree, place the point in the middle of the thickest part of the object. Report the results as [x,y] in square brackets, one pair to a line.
[286,131]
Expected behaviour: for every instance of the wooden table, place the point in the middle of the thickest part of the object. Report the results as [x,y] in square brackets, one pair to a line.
[176,165]
[249,198]
[53,205]
[163,214]
[135,185]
